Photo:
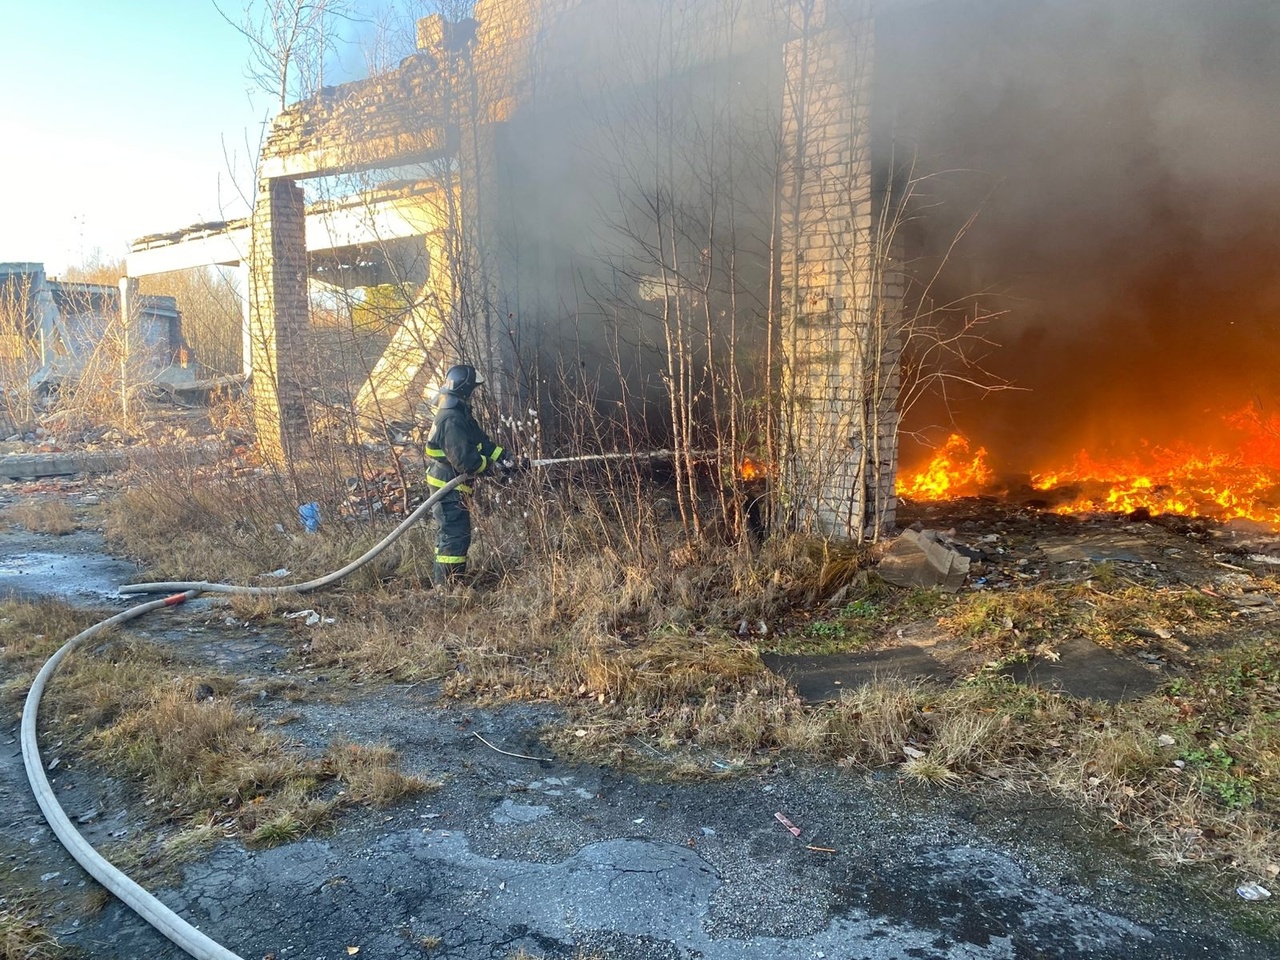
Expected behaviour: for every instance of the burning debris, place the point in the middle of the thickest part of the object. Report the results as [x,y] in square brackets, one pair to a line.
[1239,478]
[953,472]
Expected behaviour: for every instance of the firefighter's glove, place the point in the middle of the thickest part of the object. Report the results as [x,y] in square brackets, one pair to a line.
[508,468]
[514,464]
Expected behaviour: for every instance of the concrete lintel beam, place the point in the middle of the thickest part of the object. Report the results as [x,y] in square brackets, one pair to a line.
[372,154]
[349,226]
[368,226]
[227,249]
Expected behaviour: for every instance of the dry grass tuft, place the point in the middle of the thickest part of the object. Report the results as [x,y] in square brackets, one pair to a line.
[30,633]
[22,936]
[190,841]
[929,770]
[207,759]
[42,516]
[382,637]
[372,775]
[212,766]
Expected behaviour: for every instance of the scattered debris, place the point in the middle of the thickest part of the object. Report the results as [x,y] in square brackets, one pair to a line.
[378,493]
[309,515]
[1253,891]
[313,618]
[795,831]
[924,558]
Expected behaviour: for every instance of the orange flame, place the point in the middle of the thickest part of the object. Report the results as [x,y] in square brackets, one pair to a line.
[1242,481]
[751,469]
[953,472]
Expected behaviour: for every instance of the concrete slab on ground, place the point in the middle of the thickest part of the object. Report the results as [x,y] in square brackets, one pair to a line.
[33,466]
[1084,669]
[821,678]
[1098,549]
[924,558]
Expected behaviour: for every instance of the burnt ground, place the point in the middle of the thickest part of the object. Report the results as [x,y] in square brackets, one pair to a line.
[565,860]
[1014,548]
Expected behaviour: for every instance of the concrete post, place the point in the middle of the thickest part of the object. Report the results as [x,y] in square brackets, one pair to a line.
[128,314]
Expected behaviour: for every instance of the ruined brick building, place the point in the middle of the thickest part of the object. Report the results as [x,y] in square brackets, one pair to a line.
[662,208]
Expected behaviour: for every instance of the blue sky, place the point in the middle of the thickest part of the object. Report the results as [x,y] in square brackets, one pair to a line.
[120,119]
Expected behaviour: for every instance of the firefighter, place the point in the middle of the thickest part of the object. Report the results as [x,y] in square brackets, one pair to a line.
[456,445]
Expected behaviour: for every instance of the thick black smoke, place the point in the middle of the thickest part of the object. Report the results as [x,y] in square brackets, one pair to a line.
[1123,157]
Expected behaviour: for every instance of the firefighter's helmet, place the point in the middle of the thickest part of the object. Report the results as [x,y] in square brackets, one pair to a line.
[461,380]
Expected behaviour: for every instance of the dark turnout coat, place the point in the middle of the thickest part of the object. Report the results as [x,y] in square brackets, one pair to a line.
[455,445]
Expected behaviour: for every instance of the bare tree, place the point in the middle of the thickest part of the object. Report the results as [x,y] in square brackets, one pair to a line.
[289,42]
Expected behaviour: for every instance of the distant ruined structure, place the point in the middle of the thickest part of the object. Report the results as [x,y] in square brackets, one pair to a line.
[575,185]
[50,328]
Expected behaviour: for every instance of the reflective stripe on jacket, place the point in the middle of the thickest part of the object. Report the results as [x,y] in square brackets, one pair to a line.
[457,445]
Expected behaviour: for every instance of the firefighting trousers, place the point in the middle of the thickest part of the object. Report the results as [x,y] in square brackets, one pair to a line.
[453,537]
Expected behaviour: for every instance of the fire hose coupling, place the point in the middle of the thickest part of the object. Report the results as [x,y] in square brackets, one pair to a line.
[177,598]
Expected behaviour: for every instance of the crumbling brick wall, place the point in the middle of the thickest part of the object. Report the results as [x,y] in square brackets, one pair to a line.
[454,97]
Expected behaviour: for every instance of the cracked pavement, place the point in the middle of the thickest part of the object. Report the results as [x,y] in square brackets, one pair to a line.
[569,862]
[582,862]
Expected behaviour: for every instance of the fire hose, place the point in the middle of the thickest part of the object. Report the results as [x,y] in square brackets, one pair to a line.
[144,904]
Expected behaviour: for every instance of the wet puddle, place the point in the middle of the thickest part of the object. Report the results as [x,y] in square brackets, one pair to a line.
[82,578]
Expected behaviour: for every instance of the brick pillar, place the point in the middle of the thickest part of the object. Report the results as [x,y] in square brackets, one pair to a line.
[278,315]
[839,349]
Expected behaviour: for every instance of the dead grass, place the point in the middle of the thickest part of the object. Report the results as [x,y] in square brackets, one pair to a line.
[1012,624]
[48,516]
[587,605]
[390,637]
[30,633]
[372,775]
[22,935]
[202,761]
[237,518]
[208,767]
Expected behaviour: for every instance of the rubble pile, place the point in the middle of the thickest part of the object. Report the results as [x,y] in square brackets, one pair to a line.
[377,493]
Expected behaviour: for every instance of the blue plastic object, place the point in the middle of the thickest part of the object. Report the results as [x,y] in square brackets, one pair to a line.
[309,514]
